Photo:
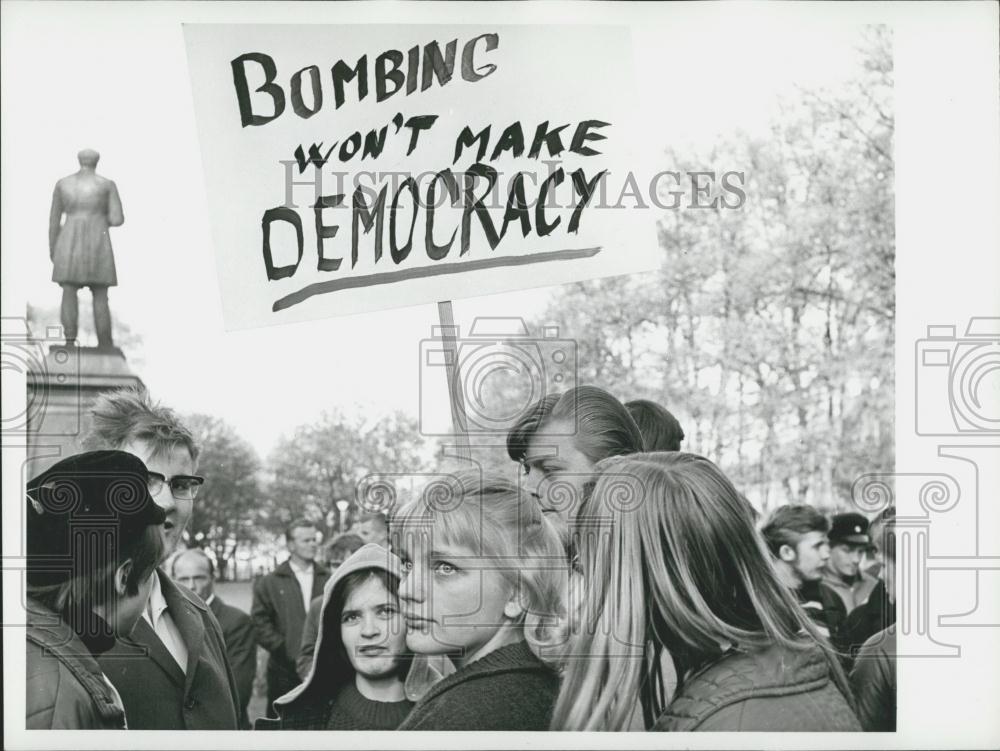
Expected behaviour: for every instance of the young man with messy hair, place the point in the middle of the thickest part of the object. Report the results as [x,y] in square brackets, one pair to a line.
[172,673]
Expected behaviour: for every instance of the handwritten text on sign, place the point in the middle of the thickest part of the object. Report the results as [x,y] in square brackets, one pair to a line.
[441,162]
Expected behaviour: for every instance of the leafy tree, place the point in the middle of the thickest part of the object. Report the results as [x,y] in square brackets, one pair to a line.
[329,460]
[769,330]
[226,510]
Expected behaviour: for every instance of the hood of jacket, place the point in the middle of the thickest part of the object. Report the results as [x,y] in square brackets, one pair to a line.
[57,638]
[370,556]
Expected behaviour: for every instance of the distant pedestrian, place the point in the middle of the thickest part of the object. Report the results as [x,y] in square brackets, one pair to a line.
[849,539]
[281,600]
[874,675]
[372,527]
[195,570]
[878,612]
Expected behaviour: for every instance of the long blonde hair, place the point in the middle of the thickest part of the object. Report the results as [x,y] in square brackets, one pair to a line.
[489,515]
[671,562]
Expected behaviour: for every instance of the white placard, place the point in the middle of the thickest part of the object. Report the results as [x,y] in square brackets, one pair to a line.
[354,168]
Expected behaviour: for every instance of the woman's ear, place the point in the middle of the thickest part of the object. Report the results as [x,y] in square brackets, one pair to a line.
[122,574]
[787,553]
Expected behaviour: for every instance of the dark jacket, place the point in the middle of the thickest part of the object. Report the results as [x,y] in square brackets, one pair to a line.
[278,616]
[776,688]
[851,593]
[508,689]
[868,619]
[825,608]
[158,695]
[241,649]
[874,682]
[65,688]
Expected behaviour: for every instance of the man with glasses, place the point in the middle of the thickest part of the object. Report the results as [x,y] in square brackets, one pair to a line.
[172,673]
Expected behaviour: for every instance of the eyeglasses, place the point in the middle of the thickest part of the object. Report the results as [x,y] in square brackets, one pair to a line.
[183,487]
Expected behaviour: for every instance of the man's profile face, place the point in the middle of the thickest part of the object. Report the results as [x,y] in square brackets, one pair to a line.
[194,572]
[302,543]
[845,559]
[811,553]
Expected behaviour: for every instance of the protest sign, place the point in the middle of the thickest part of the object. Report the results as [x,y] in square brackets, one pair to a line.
[351,168]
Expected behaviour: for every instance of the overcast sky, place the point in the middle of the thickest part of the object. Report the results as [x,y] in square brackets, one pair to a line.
[116,79]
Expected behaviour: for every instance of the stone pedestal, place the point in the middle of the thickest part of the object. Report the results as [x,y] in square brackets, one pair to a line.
[61,390]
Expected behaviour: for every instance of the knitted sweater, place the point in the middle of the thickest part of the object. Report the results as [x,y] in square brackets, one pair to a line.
[352,711]
[507,689]
[347,710]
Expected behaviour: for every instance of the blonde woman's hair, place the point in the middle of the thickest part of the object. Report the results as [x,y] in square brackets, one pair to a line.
[671,563]
[489,516]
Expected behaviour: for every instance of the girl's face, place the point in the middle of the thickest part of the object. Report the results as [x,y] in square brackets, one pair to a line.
[452,599]
[372,630]
[555,471]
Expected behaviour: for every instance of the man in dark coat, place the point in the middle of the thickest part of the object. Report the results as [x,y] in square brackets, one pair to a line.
[195,570]
[160,694]
[172,671]
[280,602]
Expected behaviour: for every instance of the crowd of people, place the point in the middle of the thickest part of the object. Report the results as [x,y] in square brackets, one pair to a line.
[621,584]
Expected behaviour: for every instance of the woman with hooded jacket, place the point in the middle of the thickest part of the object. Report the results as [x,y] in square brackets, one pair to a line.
[359,666]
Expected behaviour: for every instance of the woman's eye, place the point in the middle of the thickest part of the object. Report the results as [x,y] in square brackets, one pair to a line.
[350,618]
[407,566]
[441,567]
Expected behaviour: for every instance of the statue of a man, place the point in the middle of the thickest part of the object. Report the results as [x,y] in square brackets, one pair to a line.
[80,247]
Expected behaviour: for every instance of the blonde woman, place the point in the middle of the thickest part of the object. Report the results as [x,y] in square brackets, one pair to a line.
[672,565]
[484,580]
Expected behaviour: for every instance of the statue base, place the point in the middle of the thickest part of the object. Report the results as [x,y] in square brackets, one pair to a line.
[61,390]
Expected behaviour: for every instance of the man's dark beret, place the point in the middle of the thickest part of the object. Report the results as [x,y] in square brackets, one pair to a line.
[78,505]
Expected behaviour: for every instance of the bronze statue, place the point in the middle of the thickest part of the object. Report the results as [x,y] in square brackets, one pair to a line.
[80,247]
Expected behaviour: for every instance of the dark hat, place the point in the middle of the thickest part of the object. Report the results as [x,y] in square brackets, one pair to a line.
[849,527]
[79,507]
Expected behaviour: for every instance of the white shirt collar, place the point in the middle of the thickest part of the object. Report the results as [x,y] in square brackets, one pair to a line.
[210,598]
[157,603]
